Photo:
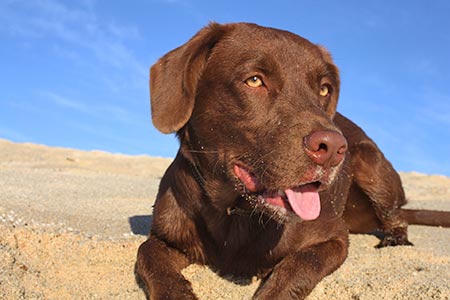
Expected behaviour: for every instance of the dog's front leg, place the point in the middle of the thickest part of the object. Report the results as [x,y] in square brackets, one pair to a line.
[159,266]
[297,274]
[377,178]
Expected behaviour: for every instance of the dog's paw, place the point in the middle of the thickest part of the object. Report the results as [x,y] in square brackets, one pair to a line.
[389,241]
[172,293]
[395,237]
[173,289]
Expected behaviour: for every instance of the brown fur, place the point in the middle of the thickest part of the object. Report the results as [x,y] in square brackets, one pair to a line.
[204,214]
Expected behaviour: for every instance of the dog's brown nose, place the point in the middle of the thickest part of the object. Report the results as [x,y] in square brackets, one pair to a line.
[326,147]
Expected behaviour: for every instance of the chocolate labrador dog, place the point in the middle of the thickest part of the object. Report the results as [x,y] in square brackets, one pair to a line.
[269,179]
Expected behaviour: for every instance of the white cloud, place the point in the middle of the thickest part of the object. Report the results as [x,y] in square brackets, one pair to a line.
[68,103]
[100,132]
[71,27]
[13,135]
[435,108]
[99,111]
[124,32]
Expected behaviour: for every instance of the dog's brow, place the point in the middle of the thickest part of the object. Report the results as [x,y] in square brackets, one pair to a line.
[331,72]
[256,62]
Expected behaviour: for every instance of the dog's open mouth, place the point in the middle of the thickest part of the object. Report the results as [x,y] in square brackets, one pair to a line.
[303,200]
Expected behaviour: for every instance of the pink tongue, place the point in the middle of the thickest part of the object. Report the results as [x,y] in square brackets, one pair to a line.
[305,201]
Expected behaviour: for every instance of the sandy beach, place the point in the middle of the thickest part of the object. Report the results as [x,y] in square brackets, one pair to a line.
[71,222]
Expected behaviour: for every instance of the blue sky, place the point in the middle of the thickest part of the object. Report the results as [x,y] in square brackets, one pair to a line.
[75,73]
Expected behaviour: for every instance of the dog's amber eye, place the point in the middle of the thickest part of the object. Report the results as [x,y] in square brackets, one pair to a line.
[254,82]
[324,90]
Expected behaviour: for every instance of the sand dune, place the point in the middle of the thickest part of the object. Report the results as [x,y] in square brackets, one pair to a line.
[71,222]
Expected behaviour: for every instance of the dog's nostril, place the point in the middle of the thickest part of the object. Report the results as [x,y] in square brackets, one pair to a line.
[342,149]
[325,147]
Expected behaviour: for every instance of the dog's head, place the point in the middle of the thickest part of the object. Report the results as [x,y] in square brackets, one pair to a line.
[253,109]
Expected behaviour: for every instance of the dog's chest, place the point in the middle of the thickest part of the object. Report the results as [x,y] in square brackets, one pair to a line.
[245,245]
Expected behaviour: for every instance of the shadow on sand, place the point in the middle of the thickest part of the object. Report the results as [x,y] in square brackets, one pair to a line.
[140,224]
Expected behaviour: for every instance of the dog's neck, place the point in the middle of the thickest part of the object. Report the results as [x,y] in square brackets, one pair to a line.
[201,181]
[197,175]
[232,210]
[188,152]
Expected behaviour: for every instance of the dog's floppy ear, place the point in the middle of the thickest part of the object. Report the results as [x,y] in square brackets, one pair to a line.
[334,72]
[174,78]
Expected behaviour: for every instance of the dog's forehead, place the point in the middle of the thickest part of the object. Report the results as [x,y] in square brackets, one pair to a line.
[250,40]
[252,33]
